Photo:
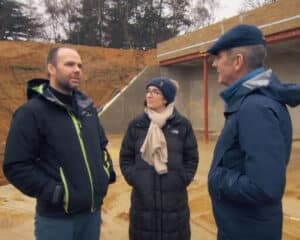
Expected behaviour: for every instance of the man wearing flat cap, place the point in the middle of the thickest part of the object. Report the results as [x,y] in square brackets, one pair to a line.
[246,180]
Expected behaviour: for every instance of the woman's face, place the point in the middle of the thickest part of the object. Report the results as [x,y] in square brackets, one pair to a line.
[155,99]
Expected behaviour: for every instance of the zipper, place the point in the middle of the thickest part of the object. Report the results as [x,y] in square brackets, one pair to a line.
[106,164]
[67,195]
[78,126]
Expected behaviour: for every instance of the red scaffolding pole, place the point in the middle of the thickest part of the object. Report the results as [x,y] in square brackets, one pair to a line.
[205,95]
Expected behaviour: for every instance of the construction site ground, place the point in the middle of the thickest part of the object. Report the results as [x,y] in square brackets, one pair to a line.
[17,211]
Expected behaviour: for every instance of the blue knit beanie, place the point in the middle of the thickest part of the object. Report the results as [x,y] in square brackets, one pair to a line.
[166,86]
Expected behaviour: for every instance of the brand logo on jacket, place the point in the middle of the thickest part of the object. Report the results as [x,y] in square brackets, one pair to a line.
[175,131]
[87,114]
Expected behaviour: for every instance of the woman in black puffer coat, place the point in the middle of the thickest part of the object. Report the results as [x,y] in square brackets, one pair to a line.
[159,158]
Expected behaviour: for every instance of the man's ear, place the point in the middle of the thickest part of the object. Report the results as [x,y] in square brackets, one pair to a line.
[239,62]
[50,68]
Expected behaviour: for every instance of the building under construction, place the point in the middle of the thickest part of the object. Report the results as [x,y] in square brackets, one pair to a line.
[185,59]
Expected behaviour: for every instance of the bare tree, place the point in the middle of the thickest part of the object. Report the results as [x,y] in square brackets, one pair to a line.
[202,13]
[252,4]
[69,16]
[17,22]
[53,10]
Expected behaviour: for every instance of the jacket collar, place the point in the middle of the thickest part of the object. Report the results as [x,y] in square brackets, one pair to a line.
[250,83]
[40,87]
[228,93]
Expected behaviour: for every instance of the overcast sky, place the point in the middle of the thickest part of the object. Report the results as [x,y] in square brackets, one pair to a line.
[228,9]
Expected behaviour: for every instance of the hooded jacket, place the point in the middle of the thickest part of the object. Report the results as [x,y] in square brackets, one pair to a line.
[159,202]
[56,153]
[247,177]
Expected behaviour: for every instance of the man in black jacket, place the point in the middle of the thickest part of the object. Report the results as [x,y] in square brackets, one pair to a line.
[56,152]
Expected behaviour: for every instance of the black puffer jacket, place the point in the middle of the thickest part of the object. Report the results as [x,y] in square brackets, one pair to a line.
[159,203]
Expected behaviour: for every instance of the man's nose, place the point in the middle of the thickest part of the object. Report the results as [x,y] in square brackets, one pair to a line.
[77,68]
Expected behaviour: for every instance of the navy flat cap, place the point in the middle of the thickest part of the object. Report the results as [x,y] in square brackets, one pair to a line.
[238,36]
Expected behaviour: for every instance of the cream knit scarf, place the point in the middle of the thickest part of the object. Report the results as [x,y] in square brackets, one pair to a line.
[154,149]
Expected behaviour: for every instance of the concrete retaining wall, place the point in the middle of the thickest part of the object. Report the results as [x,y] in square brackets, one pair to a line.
[189,101]
[117,114]
[190,97]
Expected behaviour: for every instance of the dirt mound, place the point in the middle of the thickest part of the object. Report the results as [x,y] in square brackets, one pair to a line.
[105,72]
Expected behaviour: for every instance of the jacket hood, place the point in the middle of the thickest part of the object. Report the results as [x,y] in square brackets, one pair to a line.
[36,87]
[40,87]
[269,84]
[287,93]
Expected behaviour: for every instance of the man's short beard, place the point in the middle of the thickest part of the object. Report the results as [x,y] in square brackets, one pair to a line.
[66,87]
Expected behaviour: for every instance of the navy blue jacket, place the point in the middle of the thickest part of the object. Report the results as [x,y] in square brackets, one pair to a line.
[55,153]
[247,176]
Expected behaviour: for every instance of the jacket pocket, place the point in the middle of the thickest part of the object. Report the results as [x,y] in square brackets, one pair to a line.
[233,158]
[101,177]
[66,188]
[75,200]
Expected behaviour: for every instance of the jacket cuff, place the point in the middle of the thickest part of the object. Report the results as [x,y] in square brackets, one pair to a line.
[58,194]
